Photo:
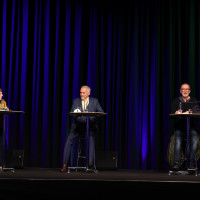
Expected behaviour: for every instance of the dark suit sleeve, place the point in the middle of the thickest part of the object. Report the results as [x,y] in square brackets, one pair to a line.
[174,106]
[98,107]
[195,108]
[74,105]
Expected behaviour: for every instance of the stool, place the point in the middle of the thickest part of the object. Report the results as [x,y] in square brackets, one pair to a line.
[84,158]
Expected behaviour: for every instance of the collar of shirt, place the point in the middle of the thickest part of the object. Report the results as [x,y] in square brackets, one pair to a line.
[85,103]
[182,100]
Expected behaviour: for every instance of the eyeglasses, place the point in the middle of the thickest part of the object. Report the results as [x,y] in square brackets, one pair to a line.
[185,89]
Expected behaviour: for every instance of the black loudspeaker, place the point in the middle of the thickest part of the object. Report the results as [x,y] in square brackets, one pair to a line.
[106,160]
[15,159]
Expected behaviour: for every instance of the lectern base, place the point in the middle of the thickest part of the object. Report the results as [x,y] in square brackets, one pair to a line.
[7,170]
[188,172]
[82,169]
[193,171]
[178,173]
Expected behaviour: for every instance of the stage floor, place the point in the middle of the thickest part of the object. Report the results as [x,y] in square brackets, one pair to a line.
[51,182]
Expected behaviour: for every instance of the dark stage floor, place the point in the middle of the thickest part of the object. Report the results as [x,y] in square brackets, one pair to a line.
[53,183]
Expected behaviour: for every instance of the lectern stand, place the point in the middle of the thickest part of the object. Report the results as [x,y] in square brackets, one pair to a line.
[187,116]
[87,115]
[5,113]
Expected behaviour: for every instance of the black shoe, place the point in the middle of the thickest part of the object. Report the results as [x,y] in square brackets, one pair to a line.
[64,168]
[91,167]
[176,167]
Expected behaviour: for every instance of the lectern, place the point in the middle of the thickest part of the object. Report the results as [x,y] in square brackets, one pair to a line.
[187,116]
[87,115]
[5,113]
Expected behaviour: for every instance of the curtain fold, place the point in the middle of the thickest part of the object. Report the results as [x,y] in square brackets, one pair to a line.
[133,55]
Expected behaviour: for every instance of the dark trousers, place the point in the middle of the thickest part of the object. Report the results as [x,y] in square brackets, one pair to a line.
[178,144]
[73,136]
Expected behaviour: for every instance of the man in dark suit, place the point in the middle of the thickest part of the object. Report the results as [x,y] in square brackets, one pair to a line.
[82,104]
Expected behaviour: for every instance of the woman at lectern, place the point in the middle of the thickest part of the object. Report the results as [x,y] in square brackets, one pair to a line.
[3,106]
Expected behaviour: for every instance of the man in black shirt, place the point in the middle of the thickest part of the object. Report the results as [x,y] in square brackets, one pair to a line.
[184,104]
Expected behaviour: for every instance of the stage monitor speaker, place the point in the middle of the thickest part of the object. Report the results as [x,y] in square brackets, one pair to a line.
[16,159]
[106,160]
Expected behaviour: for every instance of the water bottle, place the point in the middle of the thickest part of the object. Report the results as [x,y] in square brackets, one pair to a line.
[180,108]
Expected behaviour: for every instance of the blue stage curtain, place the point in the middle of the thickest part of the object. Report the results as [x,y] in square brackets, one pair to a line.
[134,56]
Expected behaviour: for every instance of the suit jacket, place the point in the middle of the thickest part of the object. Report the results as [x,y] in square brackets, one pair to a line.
[79,123]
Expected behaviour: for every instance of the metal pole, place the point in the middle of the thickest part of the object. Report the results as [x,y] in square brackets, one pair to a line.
[4,141]
[87,136]
[188,141]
